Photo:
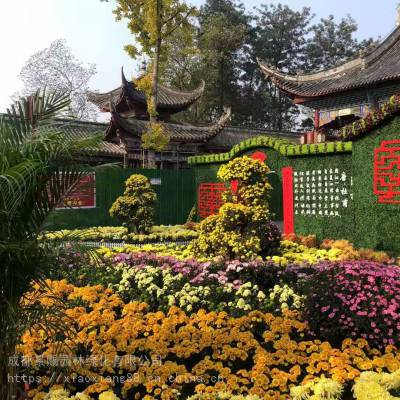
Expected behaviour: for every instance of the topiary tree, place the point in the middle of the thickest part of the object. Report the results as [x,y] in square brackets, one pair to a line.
[242,228]
[136,207]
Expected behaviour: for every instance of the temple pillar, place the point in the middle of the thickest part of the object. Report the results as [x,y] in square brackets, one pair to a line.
[316,119]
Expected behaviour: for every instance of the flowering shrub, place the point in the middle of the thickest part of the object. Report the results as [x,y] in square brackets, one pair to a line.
[355,299]
[350,253]
[223,396]
[177,251]
[256,354]
[285,298]
[309,240]
[241,229]
[59,393]
[294,253]
[136,207]
[376,386]
[161,282]
[318,389]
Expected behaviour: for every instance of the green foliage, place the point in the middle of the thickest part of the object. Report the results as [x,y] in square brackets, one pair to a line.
[241,229]
[136,207]
[172,206]
[333,43]
[321,226]
[230,40]
[152,20]
[377,224]
[365,222]
[219,44]
[37,168]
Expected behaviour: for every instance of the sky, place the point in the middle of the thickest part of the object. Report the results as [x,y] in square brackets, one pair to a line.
[91,31]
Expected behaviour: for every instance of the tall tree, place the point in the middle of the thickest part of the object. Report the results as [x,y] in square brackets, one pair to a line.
[184,70]
[220,41]
[280,39]
[333,43]
[57,69]
[224,26]
[152,23]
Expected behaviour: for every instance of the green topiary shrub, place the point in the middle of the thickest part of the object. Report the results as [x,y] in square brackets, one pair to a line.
[242,228]
[136,207]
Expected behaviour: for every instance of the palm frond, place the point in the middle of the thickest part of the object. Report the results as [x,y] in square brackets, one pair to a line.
[37,169]
[26,114]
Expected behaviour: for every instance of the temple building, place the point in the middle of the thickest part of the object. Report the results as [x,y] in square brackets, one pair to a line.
[130,119]
[127,106]
[347,92]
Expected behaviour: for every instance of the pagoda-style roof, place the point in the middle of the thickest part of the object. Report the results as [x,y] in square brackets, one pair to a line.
[382,64]
[177,132]
[79,130]
[168,100]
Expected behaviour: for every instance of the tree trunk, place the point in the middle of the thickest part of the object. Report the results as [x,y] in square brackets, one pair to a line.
[221,93]
[154,89]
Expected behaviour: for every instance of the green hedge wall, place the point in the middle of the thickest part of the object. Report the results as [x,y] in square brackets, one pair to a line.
[322,227]
[377,225]
[284,147]
[176,196]
[365,222]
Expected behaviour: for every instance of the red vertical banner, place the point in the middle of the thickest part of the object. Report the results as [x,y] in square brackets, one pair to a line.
[288,209]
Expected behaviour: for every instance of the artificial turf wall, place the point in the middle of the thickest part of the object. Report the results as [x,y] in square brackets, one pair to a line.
[354,212]
[175,198]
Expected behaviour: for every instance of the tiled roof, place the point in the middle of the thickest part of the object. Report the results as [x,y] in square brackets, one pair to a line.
[380,65]
[168,99]
[177,132]
[81,130]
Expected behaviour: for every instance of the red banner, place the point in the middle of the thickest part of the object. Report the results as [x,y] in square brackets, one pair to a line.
[288,210]
[83,195]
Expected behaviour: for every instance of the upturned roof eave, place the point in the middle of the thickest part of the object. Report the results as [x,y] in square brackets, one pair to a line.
[193,134]
[353,74]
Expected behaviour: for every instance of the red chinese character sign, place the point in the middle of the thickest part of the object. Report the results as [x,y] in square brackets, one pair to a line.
[83,195]
[210,198]
[387,172]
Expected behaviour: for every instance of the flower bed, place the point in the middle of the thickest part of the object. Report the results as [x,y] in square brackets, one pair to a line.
[217,329]
[161,281]
[176,233]
[258,353]
[355,299]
